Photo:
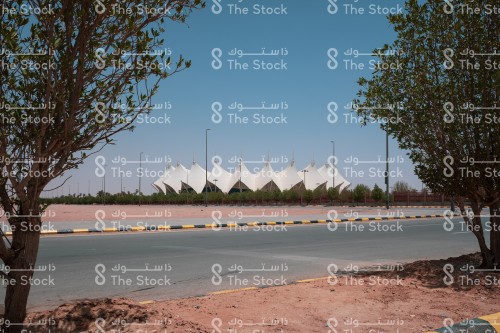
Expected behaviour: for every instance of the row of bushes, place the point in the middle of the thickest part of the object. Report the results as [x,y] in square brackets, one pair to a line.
[359,194]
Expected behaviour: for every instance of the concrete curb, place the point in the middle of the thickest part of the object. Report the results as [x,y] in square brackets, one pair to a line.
[223,225]
[396,206]
[485,324]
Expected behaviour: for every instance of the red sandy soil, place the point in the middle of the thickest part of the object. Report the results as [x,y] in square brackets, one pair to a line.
[68,213]
[419,303]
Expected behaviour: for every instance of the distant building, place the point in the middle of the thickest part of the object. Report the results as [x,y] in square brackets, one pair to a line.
[179,178]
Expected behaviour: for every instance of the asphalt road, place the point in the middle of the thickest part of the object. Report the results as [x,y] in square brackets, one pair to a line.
[191,263]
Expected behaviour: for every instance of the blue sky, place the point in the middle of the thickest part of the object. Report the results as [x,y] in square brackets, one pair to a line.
[303,37]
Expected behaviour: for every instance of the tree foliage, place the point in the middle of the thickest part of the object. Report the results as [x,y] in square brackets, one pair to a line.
[428,99]
[402,186]
[74,74]
[377,193]
[360,193]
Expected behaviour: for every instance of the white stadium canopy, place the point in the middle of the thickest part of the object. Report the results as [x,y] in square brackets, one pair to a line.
[245,178]
[289,178]
[179,178]
[161,183]
[327,171]
[224,180]
[266,179]
[197,179]
[176,178]
[311,177]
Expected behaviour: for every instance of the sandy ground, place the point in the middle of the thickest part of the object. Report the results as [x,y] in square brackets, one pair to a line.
[413,298]
[76,213]
[59,217]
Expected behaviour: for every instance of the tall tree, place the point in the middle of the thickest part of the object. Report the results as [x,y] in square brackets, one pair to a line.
[66,65]
[377,193]
[437,75]
[402,186]
[360,192]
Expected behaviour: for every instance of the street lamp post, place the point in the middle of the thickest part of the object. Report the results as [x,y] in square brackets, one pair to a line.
[333,168]
[206,166]
[302,196]
[104,186]
[387,170]
[140,175]
[241,161]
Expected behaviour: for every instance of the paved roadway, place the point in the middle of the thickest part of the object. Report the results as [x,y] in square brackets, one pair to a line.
[192,263]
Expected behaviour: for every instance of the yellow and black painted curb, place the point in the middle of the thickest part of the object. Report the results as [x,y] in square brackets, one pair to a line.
[485,324]
[397,206]
[217,226]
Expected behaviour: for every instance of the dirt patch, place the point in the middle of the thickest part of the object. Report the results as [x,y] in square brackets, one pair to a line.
[414,298]
[106,315]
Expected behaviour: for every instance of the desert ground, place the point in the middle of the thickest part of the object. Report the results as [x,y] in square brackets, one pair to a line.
[415,298]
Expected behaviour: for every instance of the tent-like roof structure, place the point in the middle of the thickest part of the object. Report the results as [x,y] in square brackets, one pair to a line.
[311,177]
[266,178]
[222,179]
[197,179]
[160,184]
[179,178]
[289,178]
[245,178]
[174,179]
[329,172]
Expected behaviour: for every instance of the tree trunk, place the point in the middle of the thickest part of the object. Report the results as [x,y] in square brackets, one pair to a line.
[476,227]
[486,254]
[25,243]
[495,230]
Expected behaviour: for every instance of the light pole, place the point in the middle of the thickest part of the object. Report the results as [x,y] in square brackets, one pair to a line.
[104,186]
[140,176]
[302,196]
[206,166]
[386,169]
[333,169]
